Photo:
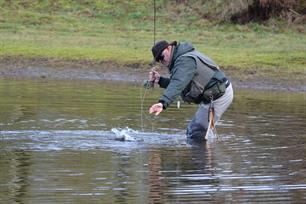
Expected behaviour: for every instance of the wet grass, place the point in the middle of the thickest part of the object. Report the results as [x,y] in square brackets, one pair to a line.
[76,36]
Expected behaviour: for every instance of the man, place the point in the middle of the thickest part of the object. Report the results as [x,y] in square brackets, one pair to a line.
[196,78]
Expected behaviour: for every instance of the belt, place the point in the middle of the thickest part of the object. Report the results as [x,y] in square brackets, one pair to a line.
[224,81]
[227,83]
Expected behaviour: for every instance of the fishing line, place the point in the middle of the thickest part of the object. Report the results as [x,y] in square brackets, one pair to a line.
[142,96]
[142,113]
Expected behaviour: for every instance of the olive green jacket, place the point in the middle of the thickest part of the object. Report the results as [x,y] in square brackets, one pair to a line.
[182,71]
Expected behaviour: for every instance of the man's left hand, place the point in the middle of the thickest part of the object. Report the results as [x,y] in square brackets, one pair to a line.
[156,108]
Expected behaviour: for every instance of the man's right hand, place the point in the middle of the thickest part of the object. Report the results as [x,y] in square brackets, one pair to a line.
[154,76]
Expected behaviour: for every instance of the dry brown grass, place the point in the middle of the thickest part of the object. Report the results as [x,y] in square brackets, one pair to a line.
[242,11]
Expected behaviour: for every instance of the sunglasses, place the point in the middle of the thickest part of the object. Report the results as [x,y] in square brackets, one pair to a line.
[160,58]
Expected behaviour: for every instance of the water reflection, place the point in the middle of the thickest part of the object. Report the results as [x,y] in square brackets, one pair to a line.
[156,187]
[56,146]
[18,170]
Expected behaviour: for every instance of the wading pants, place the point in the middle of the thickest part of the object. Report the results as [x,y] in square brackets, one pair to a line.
[198,125]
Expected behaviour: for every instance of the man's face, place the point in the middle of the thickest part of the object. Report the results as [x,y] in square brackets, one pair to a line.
[166,56]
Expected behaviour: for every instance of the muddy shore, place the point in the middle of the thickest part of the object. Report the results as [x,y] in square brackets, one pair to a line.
[39,68]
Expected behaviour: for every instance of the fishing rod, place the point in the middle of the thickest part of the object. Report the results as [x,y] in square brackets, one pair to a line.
[154,22]
[149,84]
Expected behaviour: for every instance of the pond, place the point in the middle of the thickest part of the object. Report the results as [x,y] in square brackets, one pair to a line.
[58,145]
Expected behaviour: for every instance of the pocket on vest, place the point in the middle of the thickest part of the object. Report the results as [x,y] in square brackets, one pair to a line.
[194,93]
[214,91]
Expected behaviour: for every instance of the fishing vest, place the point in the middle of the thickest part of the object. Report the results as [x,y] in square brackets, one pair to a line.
[205,71]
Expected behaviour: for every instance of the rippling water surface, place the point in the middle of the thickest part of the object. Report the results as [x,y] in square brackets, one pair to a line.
[58,145]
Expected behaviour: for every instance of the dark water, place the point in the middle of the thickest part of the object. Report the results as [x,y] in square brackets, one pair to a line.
[57,146]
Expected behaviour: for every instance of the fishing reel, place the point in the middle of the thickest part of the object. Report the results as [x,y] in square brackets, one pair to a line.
[148,84]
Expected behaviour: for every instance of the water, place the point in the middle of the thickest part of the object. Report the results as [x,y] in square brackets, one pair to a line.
[58,144]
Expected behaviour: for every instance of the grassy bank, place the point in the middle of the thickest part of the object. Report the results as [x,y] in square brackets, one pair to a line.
[123,33]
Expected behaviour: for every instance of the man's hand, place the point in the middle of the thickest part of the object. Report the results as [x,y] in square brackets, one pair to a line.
[156,108]
[154,76]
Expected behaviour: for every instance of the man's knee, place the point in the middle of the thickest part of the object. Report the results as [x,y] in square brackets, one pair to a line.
[196,131]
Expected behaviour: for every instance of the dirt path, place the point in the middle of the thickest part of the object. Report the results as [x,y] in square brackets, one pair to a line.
[18,68]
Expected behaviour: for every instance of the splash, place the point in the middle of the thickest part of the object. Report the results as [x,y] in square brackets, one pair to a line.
[124,134]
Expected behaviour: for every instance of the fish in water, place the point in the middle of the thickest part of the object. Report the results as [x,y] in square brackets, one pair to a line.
[124,134]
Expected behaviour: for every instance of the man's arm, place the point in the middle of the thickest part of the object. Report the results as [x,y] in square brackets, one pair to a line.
[182,73]
[163,82]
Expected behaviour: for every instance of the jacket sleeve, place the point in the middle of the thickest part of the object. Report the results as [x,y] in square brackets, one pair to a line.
[163,82]
[181,74]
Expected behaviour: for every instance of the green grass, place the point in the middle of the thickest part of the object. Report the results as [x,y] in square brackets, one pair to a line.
[78,33]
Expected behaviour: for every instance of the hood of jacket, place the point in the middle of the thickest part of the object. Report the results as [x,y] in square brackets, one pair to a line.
[179,50]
